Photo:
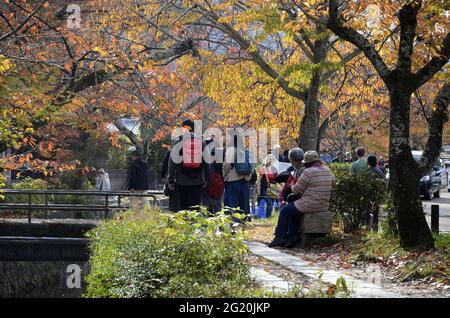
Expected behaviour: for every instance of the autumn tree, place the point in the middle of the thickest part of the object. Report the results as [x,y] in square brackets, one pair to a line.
[286,63]
[422,39]
[56,79]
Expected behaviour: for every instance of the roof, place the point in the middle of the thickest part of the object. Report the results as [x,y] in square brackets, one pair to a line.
[132,124]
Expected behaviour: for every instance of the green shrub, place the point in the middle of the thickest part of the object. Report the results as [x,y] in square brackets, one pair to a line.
[187,254]
[72,180]
[2,185]
[354,195]
[29,184]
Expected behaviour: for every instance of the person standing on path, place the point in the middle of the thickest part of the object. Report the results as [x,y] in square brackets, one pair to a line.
[237,175]
[267,174]
[173,200]
[187,176]
[212,195]
[137,180]
[359,165]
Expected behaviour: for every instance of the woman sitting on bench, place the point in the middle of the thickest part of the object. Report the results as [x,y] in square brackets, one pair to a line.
[313,191]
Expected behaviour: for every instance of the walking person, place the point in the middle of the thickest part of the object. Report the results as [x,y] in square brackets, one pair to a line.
[314,191]
[173,200]
[137,180]
[237,175]
[266,183]
[359,165]
[104,183]
[187,177]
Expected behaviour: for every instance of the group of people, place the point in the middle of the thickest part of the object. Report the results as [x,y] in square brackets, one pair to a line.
[305,187]
[377,167]
[212,184]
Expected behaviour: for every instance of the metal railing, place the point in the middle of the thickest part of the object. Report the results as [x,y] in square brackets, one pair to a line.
[107,205]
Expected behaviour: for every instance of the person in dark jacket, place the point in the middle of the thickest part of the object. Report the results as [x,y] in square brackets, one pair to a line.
[212,146]
[372,205]
[187,183]
[137,180]
[172,194]
[372,165]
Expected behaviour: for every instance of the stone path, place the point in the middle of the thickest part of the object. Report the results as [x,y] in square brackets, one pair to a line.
[269,281]
[359,288]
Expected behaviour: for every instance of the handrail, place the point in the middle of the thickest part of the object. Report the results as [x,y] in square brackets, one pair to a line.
[106,207]
[80,192]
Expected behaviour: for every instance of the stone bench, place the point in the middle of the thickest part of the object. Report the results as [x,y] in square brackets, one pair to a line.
[313,226]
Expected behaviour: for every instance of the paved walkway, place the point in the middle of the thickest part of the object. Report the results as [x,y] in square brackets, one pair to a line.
[359,288]
[269,281]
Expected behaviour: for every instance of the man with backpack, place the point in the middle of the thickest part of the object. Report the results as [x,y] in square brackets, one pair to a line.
[237,171]
[187,177]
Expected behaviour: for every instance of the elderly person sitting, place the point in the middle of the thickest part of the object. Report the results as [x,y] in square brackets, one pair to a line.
[295,156]
[314,189]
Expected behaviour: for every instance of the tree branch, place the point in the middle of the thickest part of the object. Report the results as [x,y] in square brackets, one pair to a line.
[133,138]
[20,26]
[350,56]
[434,65]
[335,24]
[408,24]
[439,116]
[253,52]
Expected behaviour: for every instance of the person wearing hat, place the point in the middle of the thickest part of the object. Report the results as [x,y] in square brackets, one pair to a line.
[313,189]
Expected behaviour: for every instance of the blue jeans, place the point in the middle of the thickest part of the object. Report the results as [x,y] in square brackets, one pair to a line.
[288,221]
[269,202]
[237,195]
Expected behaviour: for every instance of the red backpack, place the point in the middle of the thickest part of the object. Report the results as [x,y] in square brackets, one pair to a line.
[215,186]
[192,153]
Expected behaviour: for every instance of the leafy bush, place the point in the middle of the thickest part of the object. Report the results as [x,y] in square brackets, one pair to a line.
[2,184]
[29,184]
[40,184]
[186,254]
[354,195]
[118,158]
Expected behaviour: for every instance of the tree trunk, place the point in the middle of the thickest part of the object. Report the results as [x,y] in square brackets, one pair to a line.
[310,123]
[309,130]
[405,175]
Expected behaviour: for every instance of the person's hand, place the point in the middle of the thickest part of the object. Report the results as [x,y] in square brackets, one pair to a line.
[171,186]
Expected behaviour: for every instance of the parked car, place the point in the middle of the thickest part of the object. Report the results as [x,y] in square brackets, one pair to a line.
[447,169]
[430,182]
